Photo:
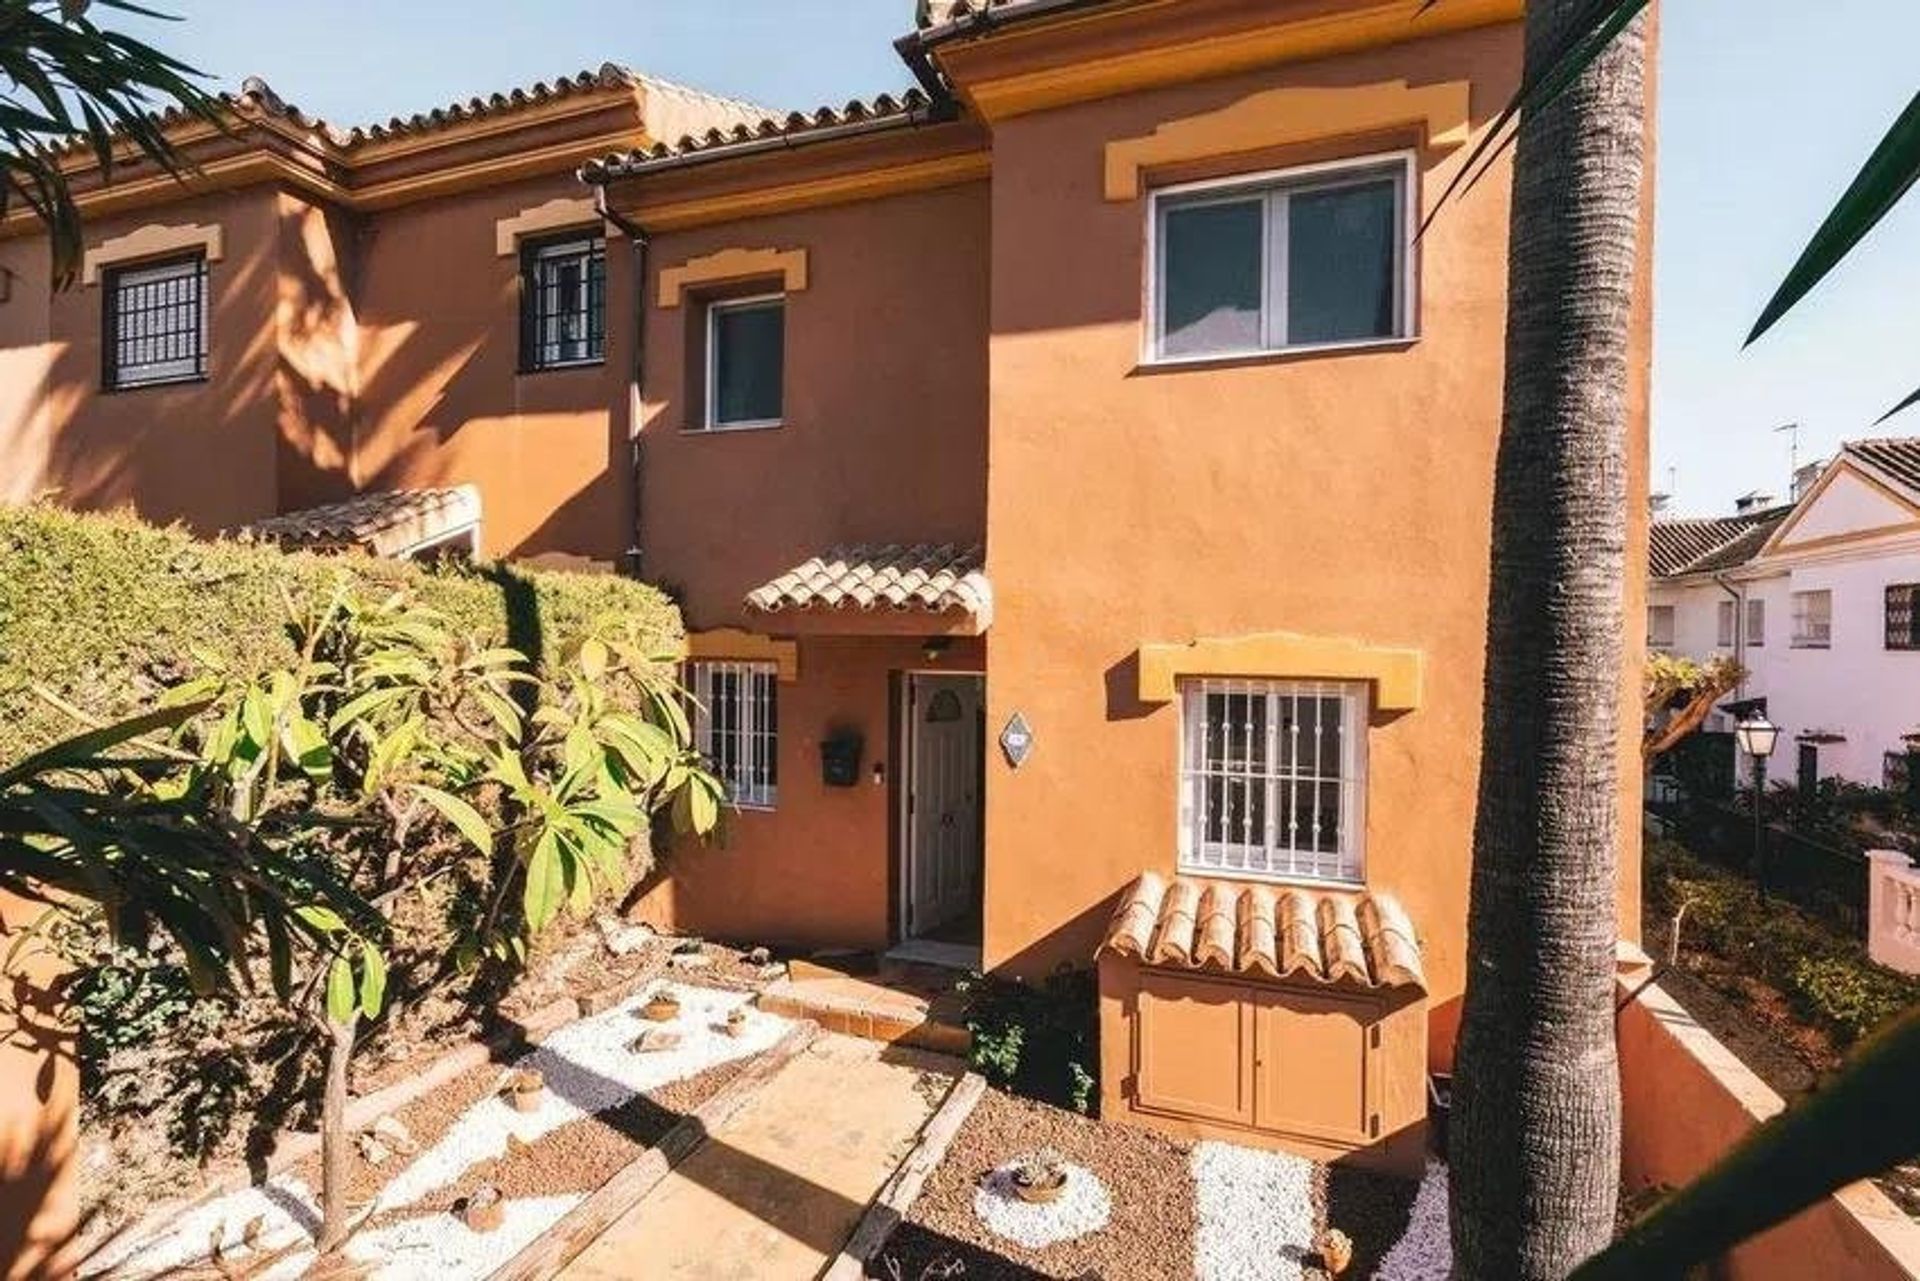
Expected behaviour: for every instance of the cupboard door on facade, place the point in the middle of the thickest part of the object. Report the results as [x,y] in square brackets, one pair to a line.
[1316,1071]
[1193,1050]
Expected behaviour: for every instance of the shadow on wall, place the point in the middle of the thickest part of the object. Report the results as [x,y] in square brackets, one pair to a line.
[39,1078]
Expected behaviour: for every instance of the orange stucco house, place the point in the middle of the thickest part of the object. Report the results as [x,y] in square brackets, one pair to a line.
[1075,472]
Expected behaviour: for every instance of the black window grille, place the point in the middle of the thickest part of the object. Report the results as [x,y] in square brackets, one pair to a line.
[563,286]
[1903,616]
[155,317]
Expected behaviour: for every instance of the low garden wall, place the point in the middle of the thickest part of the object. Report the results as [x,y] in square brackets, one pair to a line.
[1893,911]
[1686,1100]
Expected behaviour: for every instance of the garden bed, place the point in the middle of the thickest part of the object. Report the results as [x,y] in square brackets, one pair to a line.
[1139,1205]
[601,1106]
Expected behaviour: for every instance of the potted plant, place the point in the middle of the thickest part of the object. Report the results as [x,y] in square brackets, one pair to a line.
[662,1007]
[1336,1251]
[736,1024]
[484,1209]
[1039,1177]
[524,1090]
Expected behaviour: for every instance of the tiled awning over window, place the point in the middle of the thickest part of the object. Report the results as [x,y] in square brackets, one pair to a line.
[1275,932]
[895,588]
[392,522]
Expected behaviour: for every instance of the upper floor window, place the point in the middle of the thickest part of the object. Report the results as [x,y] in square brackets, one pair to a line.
[563,286]
[156,323]
[1756,623]
[746,361]
[1903,616]
[736,726]
[1311,257]
[1727,619]
[1271,776]
[1659,627]
[1812,620]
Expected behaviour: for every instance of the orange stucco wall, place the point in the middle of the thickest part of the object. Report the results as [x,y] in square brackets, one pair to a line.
[1338,495]
[885,410]
[39,1102]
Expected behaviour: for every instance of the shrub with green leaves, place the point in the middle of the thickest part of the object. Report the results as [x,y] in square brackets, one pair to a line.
[1041,1041]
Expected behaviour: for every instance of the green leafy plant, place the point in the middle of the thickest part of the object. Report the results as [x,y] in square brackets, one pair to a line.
[1040,1041]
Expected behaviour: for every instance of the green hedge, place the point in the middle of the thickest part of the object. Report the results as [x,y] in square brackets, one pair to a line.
[106,612]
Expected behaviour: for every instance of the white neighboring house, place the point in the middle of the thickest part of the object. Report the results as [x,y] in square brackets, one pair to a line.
[1819,600]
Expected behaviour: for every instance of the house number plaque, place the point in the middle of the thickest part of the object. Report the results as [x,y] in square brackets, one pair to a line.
[1016,740]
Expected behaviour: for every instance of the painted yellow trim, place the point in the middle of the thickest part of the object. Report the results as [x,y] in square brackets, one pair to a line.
[555,214]
[865,184]
[747,647]
[1396,673]
[734,264]
[559,156]
[1278,117]
[1806,504]
[151,241]
[1080,80]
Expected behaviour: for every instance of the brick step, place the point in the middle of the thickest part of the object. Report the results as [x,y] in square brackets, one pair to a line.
[873,1008]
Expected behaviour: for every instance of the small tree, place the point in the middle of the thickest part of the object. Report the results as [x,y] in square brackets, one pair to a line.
[1679,693]
[396,750]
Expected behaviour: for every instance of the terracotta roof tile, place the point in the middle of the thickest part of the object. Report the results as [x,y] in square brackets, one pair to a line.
[1701,544]
[904,108]
[918,576]
[386,523]
[1897,457]
[1275,932]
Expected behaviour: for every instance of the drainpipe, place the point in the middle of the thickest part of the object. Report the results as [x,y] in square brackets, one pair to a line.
[1739,628]
[637,242]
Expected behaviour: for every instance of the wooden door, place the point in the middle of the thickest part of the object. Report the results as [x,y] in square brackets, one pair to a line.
[943,803]
[1317,1067]
[1193,1049]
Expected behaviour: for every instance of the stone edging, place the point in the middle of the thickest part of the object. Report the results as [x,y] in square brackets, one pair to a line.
[896,1196]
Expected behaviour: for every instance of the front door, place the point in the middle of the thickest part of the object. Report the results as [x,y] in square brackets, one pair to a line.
[943,803]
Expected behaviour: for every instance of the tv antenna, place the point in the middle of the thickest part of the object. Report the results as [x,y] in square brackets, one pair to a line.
[1793,450]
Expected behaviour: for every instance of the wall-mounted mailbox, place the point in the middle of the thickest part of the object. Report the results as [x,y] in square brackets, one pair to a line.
[840,759]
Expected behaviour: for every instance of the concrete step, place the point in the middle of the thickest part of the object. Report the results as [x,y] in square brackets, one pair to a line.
[901,1004]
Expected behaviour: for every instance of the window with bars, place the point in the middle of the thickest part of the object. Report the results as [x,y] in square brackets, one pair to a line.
[736,726]
[1271,778]
[1311,257]
[1812,620]
[1756,623]
[155,322]
[563,285]
[1903,616]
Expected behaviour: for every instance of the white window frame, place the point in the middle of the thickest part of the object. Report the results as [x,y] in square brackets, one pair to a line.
[1804,634]
[1274,858]
[1756,615]
[711,414]
[753,782]
[1273,183]
[1726,623]
[1654,639]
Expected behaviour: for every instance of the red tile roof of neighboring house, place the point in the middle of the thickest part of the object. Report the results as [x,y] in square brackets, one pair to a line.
[1701,544]
[918,576]
[387,523]
[1274,932]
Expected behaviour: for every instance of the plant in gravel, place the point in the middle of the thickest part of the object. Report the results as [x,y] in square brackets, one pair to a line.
[1037,1041]
[1038,1174]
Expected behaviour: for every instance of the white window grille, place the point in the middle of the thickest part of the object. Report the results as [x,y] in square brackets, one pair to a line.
[1812,620]
[1272,778]
[736,726]
[1660,626]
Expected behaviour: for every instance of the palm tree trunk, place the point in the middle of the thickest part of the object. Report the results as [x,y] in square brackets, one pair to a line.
[1537,1104]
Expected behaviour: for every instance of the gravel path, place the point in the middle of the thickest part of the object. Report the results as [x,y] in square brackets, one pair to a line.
[1425,1252]
[1257,1212]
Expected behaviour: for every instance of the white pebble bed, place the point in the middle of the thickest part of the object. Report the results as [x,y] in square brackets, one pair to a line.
[588,1068]
[1424,1251]
[1083,1206]
[1256,1213]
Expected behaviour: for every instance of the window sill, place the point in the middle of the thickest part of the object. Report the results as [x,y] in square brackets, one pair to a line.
[724,429]
[1274,355]
[562,366]
[1811,645]
[184,380]
[744,808]
[1273,878]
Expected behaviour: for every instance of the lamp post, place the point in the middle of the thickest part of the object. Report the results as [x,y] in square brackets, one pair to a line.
[1756,736]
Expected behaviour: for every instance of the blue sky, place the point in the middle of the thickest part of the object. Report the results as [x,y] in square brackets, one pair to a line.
[1766,112]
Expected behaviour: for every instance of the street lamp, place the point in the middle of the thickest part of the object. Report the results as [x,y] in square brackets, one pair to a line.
[1756,736]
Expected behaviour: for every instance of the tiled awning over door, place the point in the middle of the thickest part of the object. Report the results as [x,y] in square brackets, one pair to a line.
[875,589]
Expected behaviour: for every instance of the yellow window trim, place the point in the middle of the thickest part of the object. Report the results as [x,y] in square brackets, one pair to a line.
[734,264]
[1396,674]
[1278,117]
[560,213]
[746,647]
[151,241]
